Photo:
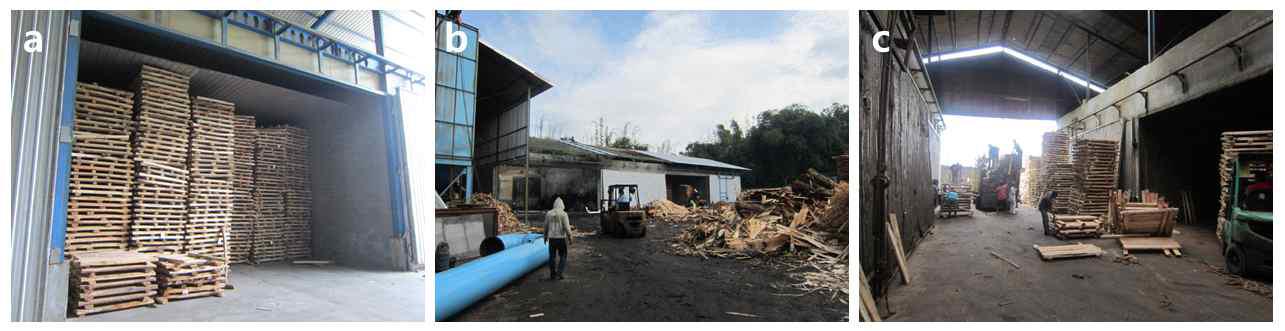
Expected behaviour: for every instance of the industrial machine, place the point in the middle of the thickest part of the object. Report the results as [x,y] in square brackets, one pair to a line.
[623,221]
[1247,234]
[994,171]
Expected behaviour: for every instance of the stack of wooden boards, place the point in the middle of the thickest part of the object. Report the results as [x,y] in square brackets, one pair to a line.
[244,209]
[1030,182]
[163,114]
[1235,143]
[283,228]
[190,276]
[1076,226]
[210,189]
[1097,166]
[102,170]
[1058,172]
[962,206]
[111,280]
[1067,251]
[270,176]
[298,233]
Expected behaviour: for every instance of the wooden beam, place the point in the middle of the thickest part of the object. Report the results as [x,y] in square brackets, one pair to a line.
[894,237]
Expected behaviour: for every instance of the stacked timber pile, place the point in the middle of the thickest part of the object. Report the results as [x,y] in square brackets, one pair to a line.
[1077,226]
[807,224]
[298,235]
[244,210]
[1030,182]
[665,209]
[1096,162]
[102,170]
[270,195]
[163,114]
[190,276]
[507,221]
[210,189]
[962,206]
[111,280]
[1058,173]
[1235,143]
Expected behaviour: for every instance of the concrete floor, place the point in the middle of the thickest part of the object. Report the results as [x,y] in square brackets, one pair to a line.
[955,278]
[294,293]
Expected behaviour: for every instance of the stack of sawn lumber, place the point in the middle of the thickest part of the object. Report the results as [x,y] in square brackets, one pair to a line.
[189,276]
[244,209]
[1235,143]
[211,174]
[102,170]
[111,280]
[163,115]
[1058,173]
[298,235]
[270,173]
[1096,163]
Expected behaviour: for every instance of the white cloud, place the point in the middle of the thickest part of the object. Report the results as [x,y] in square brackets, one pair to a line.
[675,80]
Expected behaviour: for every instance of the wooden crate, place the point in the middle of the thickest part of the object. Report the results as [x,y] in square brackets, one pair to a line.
[183,276]
[110,280]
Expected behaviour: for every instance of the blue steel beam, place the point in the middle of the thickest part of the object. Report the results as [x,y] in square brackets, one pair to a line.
[321,19]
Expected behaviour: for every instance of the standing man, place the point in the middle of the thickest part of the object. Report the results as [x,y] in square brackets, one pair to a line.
[557,234]
[1046,208]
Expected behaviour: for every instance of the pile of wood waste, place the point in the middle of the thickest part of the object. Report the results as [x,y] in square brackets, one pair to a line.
[506,220]
[807,221]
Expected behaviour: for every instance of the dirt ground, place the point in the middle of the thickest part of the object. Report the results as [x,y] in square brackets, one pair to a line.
[612,279]
[955,278]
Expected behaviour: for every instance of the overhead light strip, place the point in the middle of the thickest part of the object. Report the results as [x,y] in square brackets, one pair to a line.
[1016,54]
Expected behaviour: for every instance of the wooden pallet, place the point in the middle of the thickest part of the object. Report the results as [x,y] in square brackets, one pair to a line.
[183,276]
[1096,168]
[1067,251]
[1169,246]
[1076,226]
[111,280]
[1235,143]
[210,189]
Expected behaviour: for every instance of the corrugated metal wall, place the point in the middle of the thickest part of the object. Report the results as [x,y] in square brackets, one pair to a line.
[39,276]
[909,145]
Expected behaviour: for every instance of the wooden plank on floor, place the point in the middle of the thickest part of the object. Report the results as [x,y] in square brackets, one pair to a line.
[894,236]
[868,308]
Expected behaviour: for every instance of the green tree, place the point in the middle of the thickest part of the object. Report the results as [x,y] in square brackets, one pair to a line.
[784,143]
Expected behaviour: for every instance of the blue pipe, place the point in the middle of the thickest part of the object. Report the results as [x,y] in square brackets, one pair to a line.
[457,288]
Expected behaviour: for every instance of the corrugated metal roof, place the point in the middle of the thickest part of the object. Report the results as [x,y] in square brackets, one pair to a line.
[687,160]
[589,148]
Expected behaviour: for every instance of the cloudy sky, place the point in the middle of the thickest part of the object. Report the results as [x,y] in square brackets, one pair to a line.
[966,137]
[672,74]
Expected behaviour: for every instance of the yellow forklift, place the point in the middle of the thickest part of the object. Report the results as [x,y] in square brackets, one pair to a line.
[623,220]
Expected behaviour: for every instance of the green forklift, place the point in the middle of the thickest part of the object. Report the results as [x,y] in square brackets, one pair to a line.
[1247,234]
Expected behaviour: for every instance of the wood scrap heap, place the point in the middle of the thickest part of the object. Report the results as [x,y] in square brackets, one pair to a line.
[190,276]
[1235,143]
[163,114]
[209,192]
[102,170]
[508,221]
[667,210]
[805,223]
[1097,166]
[244,210]
[111,280]
[1058,173]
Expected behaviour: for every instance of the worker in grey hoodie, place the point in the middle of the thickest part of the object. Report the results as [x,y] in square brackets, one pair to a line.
[557,234]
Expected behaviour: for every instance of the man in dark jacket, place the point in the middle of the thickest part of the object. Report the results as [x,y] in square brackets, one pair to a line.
[1046,208]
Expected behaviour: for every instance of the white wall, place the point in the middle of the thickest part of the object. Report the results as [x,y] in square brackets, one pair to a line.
[732,188]
[651,185]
